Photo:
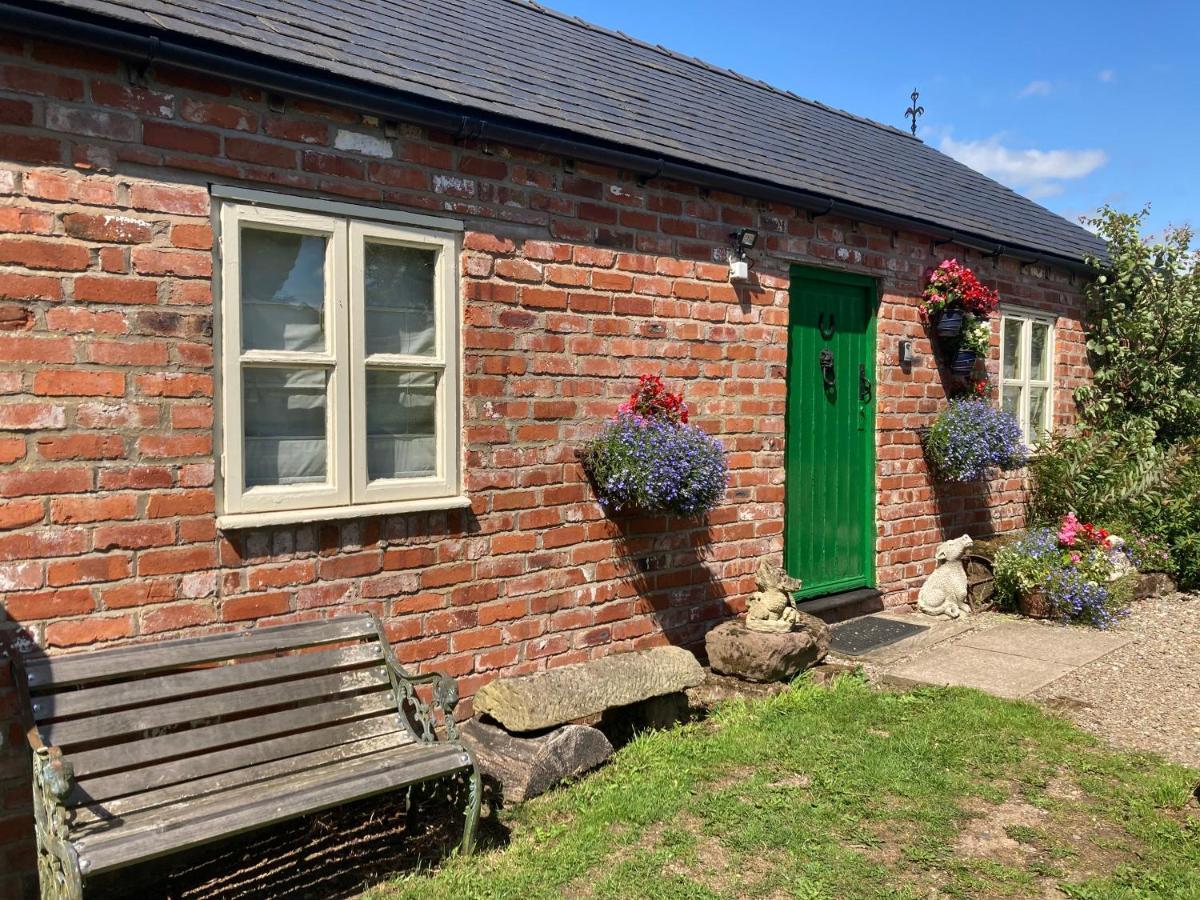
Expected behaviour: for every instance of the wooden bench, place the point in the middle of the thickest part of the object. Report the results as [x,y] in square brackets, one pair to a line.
[151,749]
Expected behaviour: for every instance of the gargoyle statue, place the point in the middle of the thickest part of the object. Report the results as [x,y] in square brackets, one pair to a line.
[770,608]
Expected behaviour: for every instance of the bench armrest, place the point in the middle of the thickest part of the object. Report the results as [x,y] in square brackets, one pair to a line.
[52,769]
[445,691]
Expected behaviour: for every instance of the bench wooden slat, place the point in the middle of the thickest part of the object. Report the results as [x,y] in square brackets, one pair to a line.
[164,688]
[229,759]
[229,703]
[122,662]
[208,820]
[199,740]
[91,816]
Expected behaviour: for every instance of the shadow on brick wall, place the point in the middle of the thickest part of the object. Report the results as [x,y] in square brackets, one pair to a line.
[965,508]
[668,562]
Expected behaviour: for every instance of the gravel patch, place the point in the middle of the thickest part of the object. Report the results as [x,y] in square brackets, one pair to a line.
[1145,695]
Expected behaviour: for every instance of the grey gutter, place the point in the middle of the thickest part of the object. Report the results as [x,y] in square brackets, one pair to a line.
[98,33]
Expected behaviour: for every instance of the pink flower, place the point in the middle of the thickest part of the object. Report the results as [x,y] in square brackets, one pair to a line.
[1075,558]
[1070,527]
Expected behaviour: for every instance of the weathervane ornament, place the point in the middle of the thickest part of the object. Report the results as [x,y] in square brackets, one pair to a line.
[913,111]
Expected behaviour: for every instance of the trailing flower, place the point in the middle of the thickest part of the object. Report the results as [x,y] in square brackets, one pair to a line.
[1073,566]
[953,286]
[977,336]
[969,437]
[649,459]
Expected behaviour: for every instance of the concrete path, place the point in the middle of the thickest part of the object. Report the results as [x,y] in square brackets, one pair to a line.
[1002,656]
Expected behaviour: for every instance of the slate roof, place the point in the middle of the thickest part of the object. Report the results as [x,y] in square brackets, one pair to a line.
[513,58]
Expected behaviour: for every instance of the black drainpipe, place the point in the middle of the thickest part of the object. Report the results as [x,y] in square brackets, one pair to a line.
[296,81]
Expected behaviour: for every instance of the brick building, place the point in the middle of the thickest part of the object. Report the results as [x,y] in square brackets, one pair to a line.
[214,413]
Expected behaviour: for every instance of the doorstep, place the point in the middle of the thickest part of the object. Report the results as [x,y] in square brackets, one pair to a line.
[846,605]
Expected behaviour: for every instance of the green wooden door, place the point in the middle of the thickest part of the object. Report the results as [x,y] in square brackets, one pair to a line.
[829,536]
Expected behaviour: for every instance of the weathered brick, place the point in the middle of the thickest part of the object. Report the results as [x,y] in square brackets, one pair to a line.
[112,289]
[43,253]
[82,446]
[88,631]
[79,510]
[75,383]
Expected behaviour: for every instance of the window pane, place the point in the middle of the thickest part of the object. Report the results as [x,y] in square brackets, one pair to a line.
[1010,399]
[399,298]
[285,425]
[1038,409]
[401,439]
[1011,358]
[283,290]
[1039,347]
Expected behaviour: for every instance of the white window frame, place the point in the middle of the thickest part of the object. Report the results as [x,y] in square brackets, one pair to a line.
[1010,315]
[347,492]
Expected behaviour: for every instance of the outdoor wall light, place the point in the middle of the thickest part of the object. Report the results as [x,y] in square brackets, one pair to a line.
[744,240]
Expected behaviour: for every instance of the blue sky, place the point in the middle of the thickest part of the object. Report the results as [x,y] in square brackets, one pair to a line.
[1074,104]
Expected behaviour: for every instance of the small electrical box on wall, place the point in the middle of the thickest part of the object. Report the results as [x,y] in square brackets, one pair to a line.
[739,270]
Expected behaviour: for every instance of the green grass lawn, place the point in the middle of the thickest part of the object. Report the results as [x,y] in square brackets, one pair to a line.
[848,792]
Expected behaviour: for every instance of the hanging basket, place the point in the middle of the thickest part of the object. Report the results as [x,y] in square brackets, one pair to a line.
[1035,604]
[949,323]
[962,362]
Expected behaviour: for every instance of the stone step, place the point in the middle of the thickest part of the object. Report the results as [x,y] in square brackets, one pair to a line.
[846,605]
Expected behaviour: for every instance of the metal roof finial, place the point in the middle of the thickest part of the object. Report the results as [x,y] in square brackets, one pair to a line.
[913,111]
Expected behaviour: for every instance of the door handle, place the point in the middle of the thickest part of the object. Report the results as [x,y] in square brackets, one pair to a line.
[864,386]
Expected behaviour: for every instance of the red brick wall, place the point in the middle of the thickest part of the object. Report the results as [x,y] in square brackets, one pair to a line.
[576,279]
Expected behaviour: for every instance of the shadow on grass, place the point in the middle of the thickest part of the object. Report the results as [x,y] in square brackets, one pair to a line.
[334,854]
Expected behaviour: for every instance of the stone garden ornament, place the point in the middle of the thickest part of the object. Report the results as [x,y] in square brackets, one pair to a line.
[945,591]
[771,608]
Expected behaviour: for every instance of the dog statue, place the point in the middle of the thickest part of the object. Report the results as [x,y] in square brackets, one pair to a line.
[944,593]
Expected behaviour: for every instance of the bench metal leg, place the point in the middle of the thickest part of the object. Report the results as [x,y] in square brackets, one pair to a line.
[474,800]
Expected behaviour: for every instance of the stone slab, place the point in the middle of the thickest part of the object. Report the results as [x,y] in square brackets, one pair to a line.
[525,767]
[1059,644]
[1002,674]
[569,693]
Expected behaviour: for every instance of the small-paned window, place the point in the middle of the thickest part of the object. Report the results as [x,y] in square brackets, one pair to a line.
[1027,371]
[339,363]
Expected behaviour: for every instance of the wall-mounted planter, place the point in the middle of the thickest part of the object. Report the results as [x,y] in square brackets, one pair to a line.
[962,362]
[949,323]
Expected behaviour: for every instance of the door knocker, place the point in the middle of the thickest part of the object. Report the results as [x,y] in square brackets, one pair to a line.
[826,333]
[827,373]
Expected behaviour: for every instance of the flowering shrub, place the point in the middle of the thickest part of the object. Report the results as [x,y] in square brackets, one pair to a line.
[648,459]
[1148,552]
[1074,566]
[953,286]
[971,436]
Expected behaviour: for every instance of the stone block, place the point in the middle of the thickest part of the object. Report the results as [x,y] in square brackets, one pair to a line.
[567,694]
[733,649]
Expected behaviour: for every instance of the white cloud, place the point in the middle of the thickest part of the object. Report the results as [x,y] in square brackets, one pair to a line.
[1037,88]
[1108,76]
[1036,173]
